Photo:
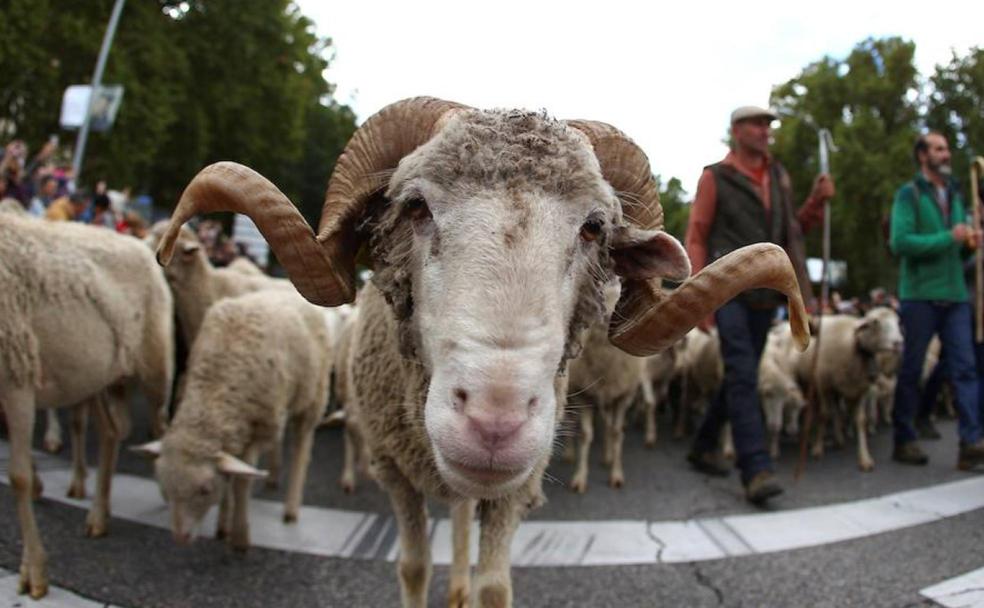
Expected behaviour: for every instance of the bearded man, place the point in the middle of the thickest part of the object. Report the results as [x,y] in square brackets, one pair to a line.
[930,236]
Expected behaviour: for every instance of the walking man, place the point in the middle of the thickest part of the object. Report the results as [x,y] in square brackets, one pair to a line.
[744,199]
[930,235]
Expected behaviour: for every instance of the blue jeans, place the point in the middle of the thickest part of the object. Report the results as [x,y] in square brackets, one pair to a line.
[742,331]
[920,321]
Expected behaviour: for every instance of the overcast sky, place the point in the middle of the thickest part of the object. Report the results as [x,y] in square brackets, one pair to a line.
[669,77]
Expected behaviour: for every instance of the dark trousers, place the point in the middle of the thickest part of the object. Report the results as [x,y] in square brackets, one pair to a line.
[920,321]
[742,331]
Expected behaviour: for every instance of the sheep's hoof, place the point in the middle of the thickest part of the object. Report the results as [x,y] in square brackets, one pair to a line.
[348,484]
[866,466]
[37,488]
[221,533]
[95,529]
[76,490]
[290,518]
[458,595]
[579,484]
[650,442]
[33,581]
[239,542]
[494,596]
[616,480]
[52,445]
[817,452]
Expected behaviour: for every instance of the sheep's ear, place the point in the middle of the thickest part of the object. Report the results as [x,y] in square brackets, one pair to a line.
[230,465]
[646,254]
[149,450]
[867,334]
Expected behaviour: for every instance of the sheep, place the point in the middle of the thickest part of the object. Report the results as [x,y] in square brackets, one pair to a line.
[848,369]
[782,398]
[262,360]
[82,311]
[661,369]
[609,378]
[702,372]
[491,235]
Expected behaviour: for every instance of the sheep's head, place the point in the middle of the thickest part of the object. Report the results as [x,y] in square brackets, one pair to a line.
[492,234]
[879,333]
[192,482]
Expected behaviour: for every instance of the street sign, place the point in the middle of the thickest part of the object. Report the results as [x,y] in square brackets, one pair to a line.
[104,107]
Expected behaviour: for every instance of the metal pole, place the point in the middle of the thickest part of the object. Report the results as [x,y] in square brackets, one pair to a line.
[826,144]
[96,81]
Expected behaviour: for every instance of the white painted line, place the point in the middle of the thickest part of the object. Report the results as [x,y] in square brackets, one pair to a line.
[56,598]
[350,534]
[964,591]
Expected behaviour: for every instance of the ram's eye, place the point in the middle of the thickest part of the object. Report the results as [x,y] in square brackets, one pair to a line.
[417,208]
[591,230]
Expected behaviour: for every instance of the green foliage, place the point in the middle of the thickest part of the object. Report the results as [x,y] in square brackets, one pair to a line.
[869,103]
[955,108]
[206,80]
[676,210]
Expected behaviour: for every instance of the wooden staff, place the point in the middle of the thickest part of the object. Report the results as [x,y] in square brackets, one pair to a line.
[976,170]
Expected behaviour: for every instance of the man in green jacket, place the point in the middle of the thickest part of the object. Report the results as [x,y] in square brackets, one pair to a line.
[930,235]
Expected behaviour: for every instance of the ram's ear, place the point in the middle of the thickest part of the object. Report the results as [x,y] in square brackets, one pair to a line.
[230,465]
[647,254]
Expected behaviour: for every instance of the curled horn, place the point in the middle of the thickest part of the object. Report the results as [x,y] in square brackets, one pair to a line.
[322,267]
[648,318]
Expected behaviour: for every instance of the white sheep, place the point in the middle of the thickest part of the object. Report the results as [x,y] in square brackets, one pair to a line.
[491,234]
[605,380]
[261,361]
[82,311]
[848,369]
[661,369]
[702,372]
[782,398]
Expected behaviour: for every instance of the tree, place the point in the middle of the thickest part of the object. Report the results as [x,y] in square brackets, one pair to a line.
[676,210]
[954,108]
[869,101]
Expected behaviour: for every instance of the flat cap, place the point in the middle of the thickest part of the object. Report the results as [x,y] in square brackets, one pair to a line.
[745,112]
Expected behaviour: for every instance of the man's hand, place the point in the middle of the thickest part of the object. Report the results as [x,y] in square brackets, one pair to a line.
[823,187]
[973,239]
[960,233]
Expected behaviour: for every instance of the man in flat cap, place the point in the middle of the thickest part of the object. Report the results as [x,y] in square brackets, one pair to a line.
[744,199]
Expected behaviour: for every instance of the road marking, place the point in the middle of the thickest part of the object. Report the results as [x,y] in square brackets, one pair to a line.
[340,533]
[964,591]
[56,598]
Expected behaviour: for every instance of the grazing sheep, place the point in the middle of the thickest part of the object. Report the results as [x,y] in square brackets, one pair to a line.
[608,378]
[82,311]
[261,361]
[492,234]
[848,369]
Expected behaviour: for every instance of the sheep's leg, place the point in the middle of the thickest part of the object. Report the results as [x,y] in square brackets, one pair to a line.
[727,441]
[650,400]
[348,478]
[865,461]
[80,421]
[773,425]
[838,423]
[241,485]
[53,432]
[300,461]
[223,523]
[18,407]
[579,483]
[821,426]
[493,581]
[111,428]
[459,589]
[616,478]
[607,412]
[410,509]
[275,461]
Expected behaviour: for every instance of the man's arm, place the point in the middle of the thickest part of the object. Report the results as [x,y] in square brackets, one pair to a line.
[810,213]
[701,217]
[904,240]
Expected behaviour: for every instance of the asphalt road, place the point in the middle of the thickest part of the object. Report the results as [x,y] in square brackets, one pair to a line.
[138,565]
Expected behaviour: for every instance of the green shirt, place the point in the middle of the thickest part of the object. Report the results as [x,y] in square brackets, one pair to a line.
[931,266]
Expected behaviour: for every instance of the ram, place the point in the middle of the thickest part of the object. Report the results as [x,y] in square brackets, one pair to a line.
[492,235]
[82,311]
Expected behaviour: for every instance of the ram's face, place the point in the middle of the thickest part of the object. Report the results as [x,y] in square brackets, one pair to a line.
[499,272]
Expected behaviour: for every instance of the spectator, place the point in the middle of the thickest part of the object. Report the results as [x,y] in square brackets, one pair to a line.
[68,208]
[47,191]
[746,199]
[929,235]
[102,214]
